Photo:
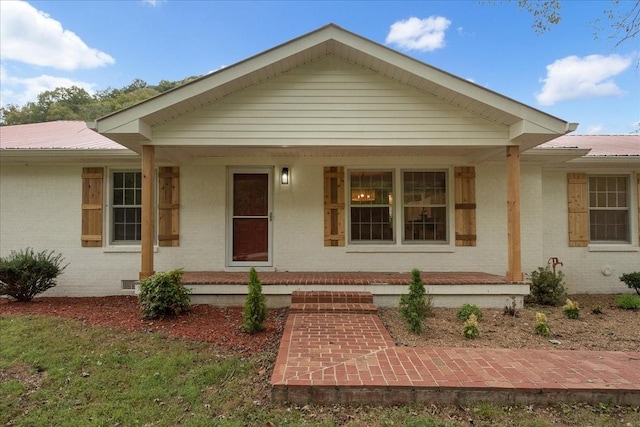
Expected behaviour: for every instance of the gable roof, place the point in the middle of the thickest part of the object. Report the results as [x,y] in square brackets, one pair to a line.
[527,126]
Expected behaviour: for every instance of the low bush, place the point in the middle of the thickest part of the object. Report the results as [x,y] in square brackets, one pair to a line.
[571,309]
[628,301]
[163,294]
[470,329]
[467,310]
[542,327]
[416,305]
[547,287]
[255,309]
[632,280]
[25,274]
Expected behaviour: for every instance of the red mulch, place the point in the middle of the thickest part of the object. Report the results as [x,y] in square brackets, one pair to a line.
[218,325]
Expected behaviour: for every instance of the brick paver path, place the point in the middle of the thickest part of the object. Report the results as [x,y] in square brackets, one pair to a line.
[350,358]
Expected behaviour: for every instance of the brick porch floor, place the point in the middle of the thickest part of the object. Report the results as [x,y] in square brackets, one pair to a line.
[339,278]
[348,357]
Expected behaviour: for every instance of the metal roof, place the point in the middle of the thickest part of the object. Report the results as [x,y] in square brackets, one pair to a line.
[59,135]
[600,145]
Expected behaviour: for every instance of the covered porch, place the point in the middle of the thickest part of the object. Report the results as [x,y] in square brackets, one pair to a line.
[449,289]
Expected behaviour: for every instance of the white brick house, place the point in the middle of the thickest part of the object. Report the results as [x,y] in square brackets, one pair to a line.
[390,165]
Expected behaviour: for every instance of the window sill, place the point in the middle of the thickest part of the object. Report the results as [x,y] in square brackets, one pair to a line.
[125,249]
[400,249]
[623,247]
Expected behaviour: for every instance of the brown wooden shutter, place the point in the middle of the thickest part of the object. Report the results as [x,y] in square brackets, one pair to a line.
[92,206]
[169,206]
[334,217]
[578,210]
[465,205]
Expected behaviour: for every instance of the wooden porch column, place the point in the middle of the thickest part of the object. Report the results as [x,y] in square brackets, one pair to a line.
[148,213]
[514,272]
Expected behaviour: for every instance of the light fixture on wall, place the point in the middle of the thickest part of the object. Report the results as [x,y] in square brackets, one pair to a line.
[284,176]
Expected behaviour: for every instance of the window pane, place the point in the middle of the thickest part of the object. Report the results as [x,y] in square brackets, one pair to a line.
[117,180]
[127,218]
[118,197]
[425,211]
[608,209]
[371,198]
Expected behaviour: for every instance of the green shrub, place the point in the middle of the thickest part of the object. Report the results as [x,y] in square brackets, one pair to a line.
[632,280]
[470,329]
[25,274]
[255,309]
[416,305]
[467,310]
[542,327]
[628,301]
[547,287]
[571,309]
[163,294]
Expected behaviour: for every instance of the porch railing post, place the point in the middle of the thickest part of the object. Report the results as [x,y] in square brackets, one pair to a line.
[514,272]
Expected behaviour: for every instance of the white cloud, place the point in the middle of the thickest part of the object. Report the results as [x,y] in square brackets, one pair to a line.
[152,2]
[576,77]
[594,129]
[33,37]
[19,91]
[419,34]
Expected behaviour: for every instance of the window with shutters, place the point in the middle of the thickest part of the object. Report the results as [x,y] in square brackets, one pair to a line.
[126,206]
[609,209]
[423,203]
[424,200]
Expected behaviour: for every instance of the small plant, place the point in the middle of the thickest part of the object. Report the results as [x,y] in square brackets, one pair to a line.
[547,287]
[542,327]
[510,308]
[416,305]
[628,301]
[632,280]
[163,294]
[255,309]
[26,273]
[571,309]
[467,310]
[470,329]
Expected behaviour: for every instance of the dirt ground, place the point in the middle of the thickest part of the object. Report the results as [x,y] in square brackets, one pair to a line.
[612,329]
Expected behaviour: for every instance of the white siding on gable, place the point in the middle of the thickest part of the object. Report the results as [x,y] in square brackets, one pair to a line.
[330,103]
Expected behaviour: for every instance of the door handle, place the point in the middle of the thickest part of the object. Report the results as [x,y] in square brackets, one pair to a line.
[270,216]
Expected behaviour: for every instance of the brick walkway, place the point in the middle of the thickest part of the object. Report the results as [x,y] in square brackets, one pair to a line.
[346,356]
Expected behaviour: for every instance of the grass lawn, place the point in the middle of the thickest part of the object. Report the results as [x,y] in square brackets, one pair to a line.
[63,373]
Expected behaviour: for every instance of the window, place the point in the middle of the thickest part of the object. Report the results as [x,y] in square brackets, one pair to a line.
[126,206]
[608,209]
[371,201]
[425,206]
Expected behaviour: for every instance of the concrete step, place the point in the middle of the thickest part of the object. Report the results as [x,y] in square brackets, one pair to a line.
[331,297]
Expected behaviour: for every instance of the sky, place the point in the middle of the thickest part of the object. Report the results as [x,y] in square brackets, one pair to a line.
[97,45]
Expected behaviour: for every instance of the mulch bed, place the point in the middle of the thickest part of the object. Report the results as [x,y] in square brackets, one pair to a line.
[218,325]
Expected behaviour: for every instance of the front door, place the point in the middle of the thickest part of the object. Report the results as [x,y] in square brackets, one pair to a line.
[250,217]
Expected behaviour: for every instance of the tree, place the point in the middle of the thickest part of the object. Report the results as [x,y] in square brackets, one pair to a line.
[74,103]
[623,17]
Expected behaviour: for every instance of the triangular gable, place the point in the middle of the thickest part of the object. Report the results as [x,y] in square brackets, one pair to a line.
[527,126]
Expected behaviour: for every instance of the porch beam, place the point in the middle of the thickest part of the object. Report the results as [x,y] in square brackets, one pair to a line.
[148,215]
[514,262]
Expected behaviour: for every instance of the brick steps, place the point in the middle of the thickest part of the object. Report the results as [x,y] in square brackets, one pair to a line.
[332,302]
